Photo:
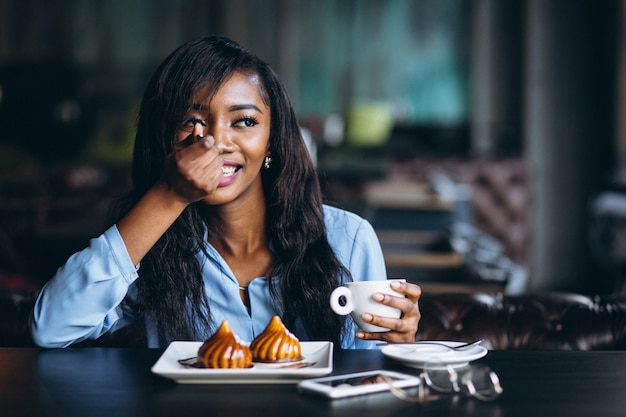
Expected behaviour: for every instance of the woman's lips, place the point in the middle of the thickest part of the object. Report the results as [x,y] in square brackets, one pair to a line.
[229,173]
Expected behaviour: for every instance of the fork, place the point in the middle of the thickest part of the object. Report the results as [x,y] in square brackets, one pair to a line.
[464,346]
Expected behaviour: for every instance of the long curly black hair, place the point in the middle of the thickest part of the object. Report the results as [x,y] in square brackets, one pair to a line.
[170,289]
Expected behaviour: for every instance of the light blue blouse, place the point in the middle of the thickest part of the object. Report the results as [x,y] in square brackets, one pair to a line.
[84,300]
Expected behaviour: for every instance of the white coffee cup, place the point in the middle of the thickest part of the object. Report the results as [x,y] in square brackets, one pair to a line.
[358,300]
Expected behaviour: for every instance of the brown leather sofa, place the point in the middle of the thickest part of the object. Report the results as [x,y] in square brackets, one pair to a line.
[542,321]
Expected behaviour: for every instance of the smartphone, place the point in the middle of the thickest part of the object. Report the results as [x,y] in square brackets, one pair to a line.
[350,385]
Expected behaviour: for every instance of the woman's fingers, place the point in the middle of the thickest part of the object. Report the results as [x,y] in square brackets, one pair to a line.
[194,167]
[402,329]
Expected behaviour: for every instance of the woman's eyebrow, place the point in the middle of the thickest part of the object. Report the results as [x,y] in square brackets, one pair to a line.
[234,107]
[237,107]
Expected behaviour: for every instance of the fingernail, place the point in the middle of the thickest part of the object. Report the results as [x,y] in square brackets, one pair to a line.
[367,317]
[378,297]
[360,335]
[396,284]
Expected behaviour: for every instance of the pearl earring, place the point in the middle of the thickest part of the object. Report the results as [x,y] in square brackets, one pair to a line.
[267,162]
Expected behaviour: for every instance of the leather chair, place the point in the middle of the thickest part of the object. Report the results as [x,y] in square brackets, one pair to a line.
[540,321]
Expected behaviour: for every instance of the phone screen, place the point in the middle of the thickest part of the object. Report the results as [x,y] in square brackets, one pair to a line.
[349,385]
[358,381]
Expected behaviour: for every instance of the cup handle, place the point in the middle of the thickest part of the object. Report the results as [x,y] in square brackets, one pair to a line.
[334,301]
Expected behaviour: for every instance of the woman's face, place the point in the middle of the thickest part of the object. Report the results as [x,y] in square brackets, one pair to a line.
[239,121]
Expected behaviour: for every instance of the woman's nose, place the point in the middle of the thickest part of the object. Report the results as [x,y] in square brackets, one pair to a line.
[222,138]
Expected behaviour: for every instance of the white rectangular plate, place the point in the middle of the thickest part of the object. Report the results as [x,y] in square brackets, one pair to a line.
[319,353]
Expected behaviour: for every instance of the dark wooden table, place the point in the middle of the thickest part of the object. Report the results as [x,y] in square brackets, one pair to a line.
[118,382]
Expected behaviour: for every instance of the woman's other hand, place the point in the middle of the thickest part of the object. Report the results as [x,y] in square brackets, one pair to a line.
[404,329]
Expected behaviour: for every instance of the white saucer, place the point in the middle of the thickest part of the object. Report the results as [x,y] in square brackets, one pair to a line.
[418,355]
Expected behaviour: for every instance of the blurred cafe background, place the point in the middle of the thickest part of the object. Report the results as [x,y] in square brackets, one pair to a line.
[484,139]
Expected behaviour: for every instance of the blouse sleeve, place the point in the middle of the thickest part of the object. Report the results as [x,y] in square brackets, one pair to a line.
[82,301]
[366,261]
[356,244]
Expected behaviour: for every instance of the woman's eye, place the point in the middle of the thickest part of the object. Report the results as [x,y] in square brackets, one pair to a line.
[191,122]
[246,122]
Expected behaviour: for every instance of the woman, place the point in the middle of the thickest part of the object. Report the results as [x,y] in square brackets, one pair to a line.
[225,222]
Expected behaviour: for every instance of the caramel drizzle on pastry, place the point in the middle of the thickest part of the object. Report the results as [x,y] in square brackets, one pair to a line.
[276,343]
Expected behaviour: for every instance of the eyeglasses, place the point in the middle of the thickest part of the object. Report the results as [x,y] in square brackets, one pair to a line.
[477,381]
